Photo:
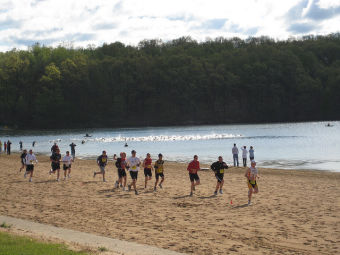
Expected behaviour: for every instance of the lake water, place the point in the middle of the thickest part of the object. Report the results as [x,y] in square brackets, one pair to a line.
[310,145]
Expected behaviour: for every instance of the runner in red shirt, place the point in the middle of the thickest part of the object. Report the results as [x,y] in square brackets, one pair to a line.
[147,168]
[193,167]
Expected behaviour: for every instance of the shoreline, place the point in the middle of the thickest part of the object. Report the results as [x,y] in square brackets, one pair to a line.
[295,211]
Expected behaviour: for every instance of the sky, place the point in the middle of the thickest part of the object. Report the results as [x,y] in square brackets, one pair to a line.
[80,23]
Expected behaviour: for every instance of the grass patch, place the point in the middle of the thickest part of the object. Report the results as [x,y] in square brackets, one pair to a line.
[17,245]
[102,249]
[4,225]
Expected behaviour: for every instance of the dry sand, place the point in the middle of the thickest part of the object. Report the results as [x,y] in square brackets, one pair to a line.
[296,212]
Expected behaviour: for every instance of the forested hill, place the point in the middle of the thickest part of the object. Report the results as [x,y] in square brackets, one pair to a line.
[172,83]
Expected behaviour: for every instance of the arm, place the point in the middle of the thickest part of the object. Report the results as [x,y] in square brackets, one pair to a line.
[247,173]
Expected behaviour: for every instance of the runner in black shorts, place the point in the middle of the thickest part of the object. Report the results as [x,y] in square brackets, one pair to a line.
[219,167]
[30,159]
[147,168]
[159,171]
[55,163]
[193,167]
[121,165]
[22,159]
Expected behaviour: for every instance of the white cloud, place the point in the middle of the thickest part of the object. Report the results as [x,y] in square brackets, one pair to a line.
[103,21]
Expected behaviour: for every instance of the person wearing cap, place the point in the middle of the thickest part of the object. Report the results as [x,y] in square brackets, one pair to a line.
[101,162]
[30,159]
[219,167]
[159,171]
[193,167]
[133,164]
[252,175]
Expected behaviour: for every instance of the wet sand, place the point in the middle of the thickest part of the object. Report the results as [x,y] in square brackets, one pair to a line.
[296,211]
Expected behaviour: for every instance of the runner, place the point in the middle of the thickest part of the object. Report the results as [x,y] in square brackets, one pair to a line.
[101,161]
[121,166]
[55,163]
[147,168]
[193,167]
[133,163]
[73,150]
[159,171]
[219,167]
[54,148]
[252,174]
[22,158]
[29,161]
[67,160]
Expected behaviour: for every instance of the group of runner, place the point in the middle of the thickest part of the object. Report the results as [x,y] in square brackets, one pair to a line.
[132,164]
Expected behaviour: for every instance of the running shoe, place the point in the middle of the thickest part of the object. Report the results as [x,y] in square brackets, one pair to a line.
[215,193]
[136,192]
[154,189]
[30,180]
[123,188]
[104,180]
[160,185]
[221,192]
[191,193]
[57,180]
[116,184]
[121,185]
[50,172]
[249,202]
[94,174]
[25,174]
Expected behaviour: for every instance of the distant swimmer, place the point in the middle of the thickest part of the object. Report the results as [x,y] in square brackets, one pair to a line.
[219,168]
[29,162]
[252,175]
[159,171]
[87,135]
[193,167]
[101,162]
[133,164]
[329,125]
[126,145]
[82,142]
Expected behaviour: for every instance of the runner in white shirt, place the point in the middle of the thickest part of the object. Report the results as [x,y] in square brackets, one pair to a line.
[67,162]
[29,162]
[133,164]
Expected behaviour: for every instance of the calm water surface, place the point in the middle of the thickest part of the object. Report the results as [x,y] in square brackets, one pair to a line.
[310,145]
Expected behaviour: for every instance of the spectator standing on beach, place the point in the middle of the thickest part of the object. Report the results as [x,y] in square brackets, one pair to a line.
[252,174]
[0,146]
[5,147]
[133,163]
[193,167]
[73,150]
[67,163]
[29,161]
[251,153]
[147,164]
[55,163]
[101,162]
[20,145]
[244,155]
[9,147]
[121,166]
[219,167]
[33,143]
[22,159]
[159,171]
[234,151]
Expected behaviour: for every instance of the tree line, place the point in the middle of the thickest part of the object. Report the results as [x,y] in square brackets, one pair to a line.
[172,83]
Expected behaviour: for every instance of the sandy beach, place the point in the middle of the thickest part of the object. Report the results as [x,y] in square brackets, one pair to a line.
[296,211]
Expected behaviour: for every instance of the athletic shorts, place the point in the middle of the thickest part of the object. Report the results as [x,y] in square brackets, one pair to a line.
[29,168]
[159,175]
[251,158]
[65,167]
[102,169]
[55,166]
[194,177]
[134,175]
[219,177]
[121,173]
[147,172]
[252,184]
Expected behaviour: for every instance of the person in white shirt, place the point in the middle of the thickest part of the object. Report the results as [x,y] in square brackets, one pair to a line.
[67,162]
[234,151]
[29,162]
[133,164]
[244,155]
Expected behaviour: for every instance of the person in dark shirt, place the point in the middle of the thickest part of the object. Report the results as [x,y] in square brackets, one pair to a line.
[22,159]
[54,148]
[73,150]
[33,143]
[9,147]
[101,161]
[219,167]
[121,166]
[20,144]
[55,163]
